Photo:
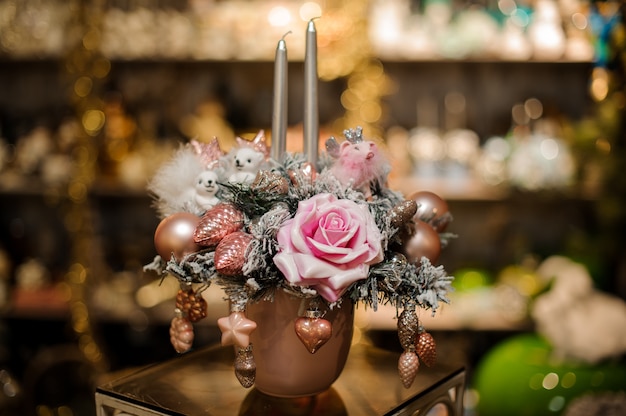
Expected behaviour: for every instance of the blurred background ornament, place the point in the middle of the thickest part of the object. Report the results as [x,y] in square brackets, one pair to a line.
[534,382]
[424,242]
[430,207]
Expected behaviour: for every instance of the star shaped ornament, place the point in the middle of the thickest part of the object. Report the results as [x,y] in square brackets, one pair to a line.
[236,329]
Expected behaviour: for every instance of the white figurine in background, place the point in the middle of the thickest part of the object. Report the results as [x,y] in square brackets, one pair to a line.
[246,164]
[581,322]
[206,189]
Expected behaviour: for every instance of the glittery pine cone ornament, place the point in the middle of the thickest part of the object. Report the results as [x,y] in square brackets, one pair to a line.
[191,304]
[408,364]
[245,367]
[415,348]
[402,213]
[426,349]
[408,324]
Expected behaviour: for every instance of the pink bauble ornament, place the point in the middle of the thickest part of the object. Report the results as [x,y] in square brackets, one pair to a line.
[230,253]
[174,235]
[431,208]
[217,223]
[424,242]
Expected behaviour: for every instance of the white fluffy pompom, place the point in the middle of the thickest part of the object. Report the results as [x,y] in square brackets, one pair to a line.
[173,184]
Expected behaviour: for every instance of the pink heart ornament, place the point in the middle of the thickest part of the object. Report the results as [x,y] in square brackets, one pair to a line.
[313,332]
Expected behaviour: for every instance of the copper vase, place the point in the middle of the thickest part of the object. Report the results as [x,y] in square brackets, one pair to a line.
[285,367]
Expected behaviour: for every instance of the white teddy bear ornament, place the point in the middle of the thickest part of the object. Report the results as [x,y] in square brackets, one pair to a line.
[206,189]
[247,163]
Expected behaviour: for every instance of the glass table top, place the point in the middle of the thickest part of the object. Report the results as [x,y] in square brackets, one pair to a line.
[203,382]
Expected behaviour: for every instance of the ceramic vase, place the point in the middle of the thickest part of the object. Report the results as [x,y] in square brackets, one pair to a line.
[285,367]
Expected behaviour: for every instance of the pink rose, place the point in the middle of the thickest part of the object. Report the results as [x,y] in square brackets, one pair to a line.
[328,245]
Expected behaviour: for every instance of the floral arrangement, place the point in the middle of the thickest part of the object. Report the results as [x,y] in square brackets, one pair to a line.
[331,233]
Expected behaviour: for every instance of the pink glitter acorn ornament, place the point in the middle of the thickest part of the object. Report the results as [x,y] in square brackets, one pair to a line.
[230,253]
[217,223]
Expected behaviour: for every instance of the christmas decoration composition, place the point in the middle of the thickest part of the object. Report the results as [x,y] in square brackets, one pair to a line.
[312,234]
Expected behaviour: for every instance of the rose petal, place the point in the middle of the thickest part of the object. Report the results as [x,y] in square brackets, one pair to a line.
[331,295]
[341,255]
[347,277]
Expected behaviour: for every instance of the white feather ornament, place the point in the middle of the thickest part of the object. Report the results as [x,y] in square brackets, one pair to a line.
[174,183]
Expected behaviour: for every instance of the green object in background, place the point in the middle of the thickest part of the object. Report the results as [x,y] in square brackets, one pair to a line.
[466,280]
[521,377]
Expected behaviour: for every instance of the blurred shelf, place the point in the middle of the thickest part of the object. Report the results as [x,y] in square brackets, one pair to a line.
[473,189]
[453,189]
[483,60]
[449,318]
[156,59]
[459,188]
[46,303]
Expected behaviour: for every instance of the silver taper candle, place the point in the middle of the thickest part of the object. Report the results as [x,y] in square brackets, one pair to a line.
[279,114]
[311,117]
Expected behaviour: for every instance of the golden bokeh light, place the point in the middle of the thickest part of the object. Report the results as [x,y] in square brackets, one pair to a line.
[83,86]
[93,121]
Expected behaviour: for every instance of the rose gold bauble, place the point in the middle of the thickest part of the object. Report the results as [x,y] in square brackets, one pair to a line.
[430,207]
[423,243]
[285,368]
[230,253]
[174,235]
[217,223]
